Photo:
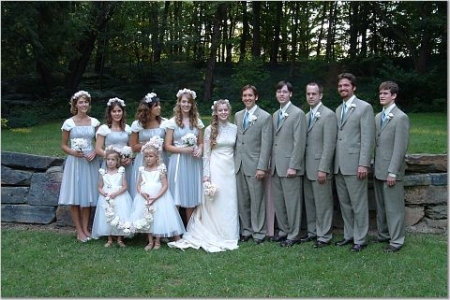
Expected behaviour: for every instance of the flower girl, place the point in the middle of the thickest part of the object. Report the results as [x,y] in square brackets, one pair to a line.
[153,197]
[114,203]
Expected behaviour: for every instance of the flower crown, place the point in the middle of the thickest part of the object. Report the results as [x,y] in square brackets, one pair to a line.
[79,94]
[155,142]
[186,91]
[115,99]
[149,97]
[112,148]
[215,102]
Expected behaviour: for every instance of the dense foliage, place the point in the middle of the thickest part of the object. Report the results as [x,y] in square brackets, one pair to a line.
[126,49]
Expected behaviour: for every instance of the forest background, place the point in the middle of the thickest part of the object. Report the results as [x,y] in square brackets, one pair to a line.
[126,49]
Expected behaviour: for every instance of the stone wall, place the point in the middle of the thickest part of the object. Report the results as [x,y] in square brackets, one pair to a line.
[31,183]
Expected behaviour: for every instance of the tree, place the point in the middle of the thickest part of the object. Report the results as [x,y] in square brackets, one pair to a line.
[220,13]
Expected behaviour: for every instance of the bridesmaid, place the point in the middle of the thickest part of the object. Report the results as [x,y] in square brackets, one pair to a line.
[115,132]
[185,165]
[80,177]
[147,123]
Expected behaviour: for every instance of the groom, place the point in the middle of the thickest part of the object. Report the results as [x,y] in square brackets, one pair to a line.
[252,152]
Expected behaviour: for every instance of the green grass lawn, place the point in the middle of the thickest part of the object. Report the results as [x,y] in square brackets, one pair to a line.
[428,134]
[51,264]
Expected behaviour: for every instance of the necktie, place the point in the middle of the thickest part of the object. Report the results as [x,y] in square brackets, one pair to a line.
[311,118]
[344,112]
[383,119]
[245,123]
[280,116]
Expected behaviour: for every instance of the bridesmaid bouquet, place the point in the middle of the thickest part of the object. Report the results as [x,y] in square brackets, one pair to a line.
[209,190]
[189,140]
[126,152]
[79,144]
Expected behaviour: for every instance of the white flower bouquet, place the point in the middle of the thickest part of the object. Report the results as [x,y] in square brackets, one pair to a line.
[189,140]
[209,190]
[126,152]
[79,144]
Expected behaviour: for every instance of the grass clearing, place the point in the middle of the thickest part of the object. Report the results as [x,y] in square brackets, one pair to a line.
[51,264]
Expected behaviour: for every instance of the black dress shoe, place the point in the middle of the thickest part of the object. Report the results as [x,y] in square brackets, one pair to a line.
[277,238]
[259,241]
[344,242]
[307,238]
[321,244]
[391,249]
[358,247]
[378,241]
[289,243]
[245,238]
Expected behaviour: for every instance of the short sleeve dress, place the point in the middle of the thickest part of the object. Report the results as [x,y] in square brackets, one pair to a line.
[144,136]
[80,177]
[118,139]
[185,171]
[166,220]
[121,206]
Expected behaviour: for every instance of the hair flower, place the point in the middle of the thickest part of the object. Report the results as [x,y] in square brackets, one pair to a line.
[149,97]
[80,94]
[155,142]
[186,91]
[115,99]
[390,116]
[101,171]
[317,115]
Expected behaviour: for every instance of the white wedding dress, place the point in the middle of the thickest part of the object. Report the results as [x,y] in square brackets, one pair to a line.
[214,225]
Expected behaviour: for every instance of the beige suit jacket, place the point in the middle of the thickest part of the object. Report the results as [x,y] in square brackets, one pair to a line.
[253,145]
[289,142]
[355,139]
[391,144]
[320,142]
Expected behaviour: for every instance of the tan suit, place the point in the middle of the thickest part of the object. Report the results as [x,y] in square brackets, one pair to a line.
[355,140]
[252,153]
[391,144]
[320,146]
[289,140]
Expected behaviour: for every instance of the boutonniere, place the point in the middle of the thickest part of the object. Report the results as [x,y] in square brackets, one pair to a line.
[353,105]
[390,116]
[252,119]
[284,115]
[317,115]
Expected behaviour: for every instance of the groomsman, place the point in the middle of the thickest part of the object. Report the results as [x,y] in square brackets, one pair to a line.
[252,153]
[355,141]
[391,144]
[320,146]
[287,169]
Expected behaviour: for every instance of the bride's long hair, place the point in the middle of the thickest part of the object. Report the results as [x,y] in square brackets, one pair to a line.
[215,120]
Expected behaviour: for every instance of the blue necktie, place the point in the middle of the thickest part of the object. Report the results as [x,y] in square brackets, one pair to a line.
[344,111]
[245,123]
[383,119]
[311,118]
[280,116]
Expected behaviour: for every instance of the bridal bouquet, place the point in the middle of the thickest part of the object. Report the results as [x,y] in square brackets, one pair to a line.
[79,144]
[189,140]
[209,190]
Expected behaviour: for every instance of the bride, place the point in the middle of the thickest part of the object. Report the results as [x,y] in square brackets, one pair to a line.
[214,225]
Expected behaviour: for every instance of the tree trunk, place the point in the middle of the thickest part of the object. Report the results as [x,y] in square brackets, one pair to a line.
[276,34]
[245,32]
[220,13]
[294,38]
[322,24]
[256,47]
[102,12]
